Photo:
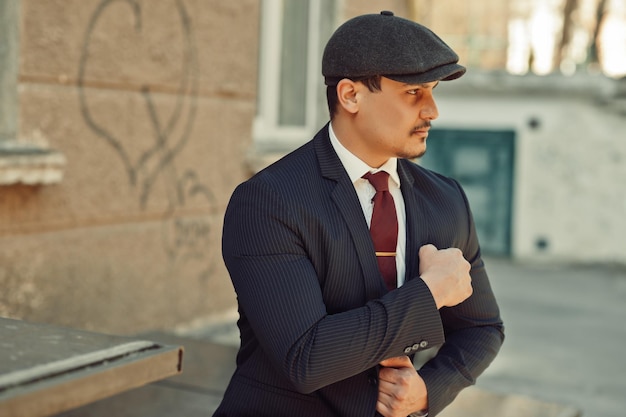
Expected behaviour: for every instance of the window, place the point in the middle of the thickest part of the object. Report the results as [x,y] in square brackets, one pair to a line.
[291,97]
[20,161]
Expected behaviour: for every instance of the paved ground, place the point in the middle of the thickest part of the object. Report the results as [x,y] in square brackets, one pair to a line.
[566,335]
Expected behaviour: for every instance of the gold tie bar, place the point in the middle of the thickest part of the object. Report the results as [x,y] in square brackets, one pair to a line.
[385,254]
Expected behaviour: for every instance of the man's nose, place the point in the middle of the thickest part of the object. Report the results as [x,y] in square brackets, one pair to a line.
[429,111]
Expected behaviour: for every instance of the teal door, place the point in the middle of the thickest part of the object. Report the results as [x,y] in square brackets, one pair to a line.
[482,162]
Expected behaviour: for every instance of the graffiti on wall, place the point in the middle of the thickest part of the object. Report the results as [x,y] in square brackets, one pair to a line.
[186,234]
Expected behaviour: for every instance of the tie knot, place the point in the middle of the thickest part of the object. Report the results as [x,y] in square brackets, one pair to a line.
[380,180]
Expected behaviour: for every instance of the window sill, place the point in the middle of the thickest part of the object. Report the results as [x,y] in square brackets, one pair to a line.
[29,165]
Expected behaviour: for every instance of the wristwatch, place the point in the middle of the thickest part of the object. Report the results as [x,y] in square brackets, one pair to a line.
[419,414]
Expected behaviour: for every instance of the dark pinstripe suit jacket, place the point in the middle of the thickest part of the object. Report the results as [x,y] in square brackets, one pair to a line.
[316,318]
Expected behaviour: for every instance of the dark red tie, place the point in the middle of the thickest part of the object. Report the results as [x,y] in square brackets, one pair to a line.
[384,227]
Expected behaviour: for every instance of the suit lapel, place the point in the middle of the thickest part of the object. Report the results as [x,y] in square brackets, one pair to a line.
[345,198]
[417,226]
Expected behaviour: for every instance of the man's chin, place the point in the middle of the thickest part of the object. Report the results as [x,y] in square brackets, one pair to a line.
[414,155]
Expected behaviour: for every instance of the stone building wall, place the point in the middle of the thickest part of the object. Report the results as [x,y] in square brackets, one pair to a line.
[151,105]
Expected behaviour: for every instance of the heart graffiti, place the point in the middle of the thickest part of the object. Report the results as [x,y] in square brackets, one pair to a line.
[169,136]
[185,238]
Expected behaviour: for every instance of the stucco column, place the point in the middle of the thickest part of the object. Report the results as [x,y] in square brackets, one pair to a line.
[9,47]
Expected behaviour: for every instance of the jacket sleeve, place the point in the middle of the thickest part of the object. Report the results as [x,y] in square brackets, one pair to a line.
[473,330]
[268,256]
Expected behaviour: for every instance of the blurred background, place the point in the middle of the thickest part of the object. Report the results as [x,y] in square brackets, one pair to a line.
[126,124]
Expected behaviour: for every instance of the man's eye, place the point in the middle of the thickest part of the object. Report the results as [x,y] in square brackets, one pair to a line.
[413,92]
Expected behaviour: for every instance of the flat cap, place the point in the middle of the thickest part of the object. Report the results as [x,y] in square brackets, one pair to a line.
[387,45]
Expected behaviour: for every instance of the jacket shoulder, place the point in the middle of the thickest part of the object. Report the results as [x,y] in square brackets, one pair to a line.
[426,179]
[301,167]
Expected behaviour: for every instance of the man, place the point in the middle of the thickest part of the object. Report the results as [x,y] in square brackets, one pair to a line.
[322,333]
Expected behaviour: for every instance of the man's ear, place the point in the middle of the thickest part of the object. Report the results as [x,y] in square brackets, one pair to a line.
[348,95]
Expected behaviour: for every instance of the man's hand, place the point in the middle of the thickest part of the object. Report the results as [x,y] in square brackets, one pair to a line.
[446,273]
[401,391]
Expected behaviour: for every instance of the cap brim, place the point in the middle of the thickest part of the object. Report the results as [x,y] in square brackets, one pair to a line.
[441,73]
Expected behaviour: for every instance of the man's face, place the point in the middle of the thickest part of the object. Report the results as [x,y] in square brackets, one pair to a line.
[394,122]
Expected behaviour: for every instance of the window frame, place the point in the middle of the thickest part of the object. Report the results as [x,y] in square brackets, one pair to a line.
[268,133]
[9,61]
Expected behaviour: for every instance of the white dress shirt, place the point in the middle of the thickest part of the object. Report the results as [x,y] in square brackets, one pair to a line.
[356,168]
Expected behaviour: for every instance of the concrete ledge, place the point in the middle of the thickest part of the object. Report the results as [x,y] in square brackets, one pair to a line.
[30,165]
[45,369]
[196,392]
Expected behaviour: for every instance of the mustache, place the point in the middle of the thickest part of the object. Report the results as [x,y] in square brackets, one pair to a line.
[424,125]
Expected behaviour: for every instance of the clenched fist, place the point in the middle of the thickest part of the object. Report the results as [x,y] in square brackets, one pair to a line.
[446,273]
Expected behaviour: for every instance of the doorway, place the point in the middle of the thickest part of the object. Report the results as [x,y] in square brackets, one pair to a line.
[482,162]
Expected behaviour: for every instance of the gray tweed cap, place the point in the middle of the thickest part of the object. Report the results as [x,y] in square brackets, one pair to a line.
[387,45]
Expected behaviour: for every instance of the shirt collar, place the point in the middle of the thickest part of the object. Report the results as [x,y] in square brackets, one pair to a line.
[355,167]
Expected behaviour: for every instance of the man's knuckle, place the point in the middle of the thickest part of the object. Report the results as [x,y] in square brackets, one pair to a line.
[394,405]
